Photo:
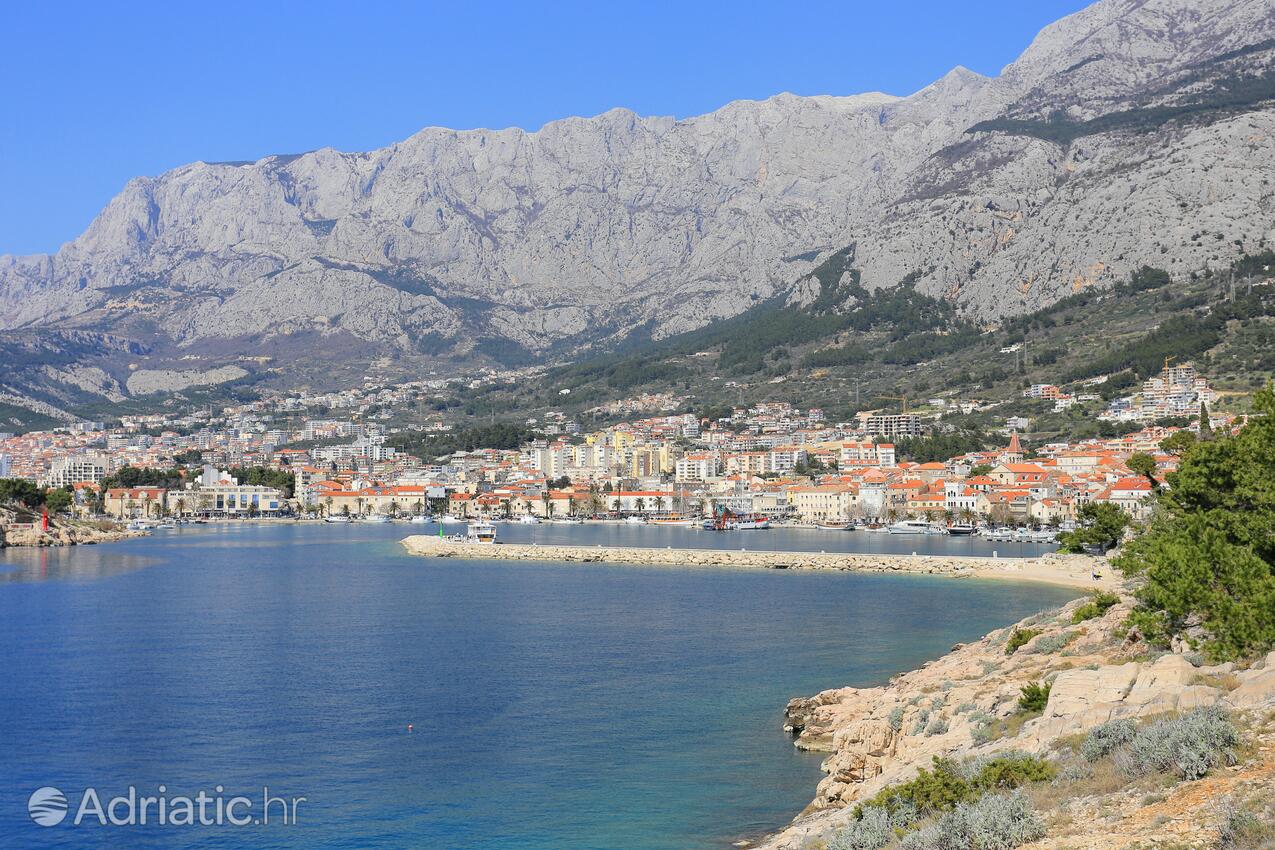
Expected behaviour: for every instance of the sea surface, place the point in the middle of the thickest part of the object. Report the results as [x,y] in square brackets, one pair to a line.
[552,706]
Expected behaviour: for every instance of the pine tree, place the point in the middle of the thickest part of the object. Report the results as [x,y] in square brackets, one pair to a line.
[1209,558]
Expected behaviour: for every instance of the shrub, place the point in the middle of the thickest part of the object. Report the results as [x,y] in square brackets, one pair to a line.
[1107,738]
[870,832]
[938,727]
[1187,746]
[1074,770]
[1035,696]
[964,707]
[1240,829]
[1098,605]
[896,718]
[992,823]
[1050,644]
[935,790]
[921,720]
[1018,637]
[938,702]
[1012,770]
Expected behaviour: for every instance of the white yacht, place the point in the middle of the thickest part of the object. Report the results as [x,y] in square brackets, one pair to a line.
[909,526]
[481,532]
[375,518]
[337,518]
[529,519]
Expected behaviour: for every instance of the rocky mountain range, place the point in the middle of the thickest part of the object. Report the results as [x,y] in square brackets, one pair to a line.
[1133,132]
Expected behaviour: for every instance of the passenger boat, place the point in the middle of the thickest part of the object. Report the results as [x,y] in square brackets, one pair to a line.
[748,523]
[481,532]
[909,526]
[674,521]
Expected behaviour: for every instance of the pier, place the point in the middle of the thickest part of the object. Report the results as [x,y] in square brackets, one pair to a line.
[1072,570]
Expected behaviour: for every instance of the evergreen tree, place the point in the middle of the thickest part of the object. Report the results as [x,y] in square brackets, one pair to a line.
[1208,559]
[1206,429]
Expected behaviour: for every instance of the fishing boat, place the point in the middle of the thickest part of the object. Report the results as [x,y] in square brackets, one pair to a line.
[909,526]
[481,532]
[833,526]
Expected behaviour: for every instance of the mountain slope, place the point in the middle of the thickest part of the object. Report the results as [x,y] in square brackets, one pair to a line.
[1134,132]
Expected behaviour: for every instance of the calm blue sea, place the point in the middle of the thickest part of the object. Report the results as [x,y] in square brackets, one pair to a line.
[554,706]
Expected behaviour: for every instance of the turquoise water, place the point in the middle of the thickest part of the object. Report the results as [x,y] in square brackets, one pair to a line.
[554,706]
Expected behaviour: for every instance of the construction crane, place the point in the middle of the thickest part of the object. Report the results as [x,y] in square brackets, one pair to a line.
[901,398]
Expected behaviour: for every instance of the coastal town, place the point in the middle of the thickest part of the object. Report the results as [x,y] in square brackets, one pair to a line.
[761,464]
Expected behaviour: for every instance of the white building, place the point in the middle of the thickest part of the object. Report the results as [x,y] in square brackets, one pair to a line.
[66,471]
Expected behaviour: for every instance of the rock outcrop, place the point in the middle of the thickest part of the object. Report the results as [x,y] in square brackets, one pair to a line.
[880,736]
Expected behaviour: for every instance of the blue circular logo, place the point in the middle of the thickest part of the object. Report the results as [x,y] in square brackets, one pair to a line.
[47,806]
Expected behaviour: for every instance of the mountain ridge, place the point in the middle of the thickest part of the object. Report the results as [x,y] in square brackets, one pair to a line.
[515,245]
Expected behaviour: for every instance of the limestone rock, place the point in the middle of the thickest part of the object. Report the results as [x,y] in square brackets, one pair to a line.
[1256,690]
[577,233]
[1077,691]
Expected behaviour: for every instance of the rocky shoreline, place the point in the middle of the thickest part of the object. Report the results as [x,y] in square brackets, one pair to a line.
[1070,570]
[63,532]
[965,705]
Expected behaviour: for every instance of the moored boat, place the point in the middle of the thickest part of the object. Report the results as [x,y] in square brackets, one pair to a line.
[909,526]
[481,532]
[833,526]
[341,518]
[961,528]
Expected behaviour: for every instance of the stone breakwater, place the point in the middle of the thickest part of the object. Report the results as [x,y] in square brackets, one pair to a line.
[1061,569]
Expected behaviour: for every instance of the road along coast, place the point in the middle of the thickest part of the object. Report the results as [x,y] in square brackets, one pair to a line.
[1068,570]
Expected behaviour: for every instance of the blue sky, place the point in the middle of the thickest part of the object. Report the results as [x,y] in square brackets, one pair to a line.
[92,94]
